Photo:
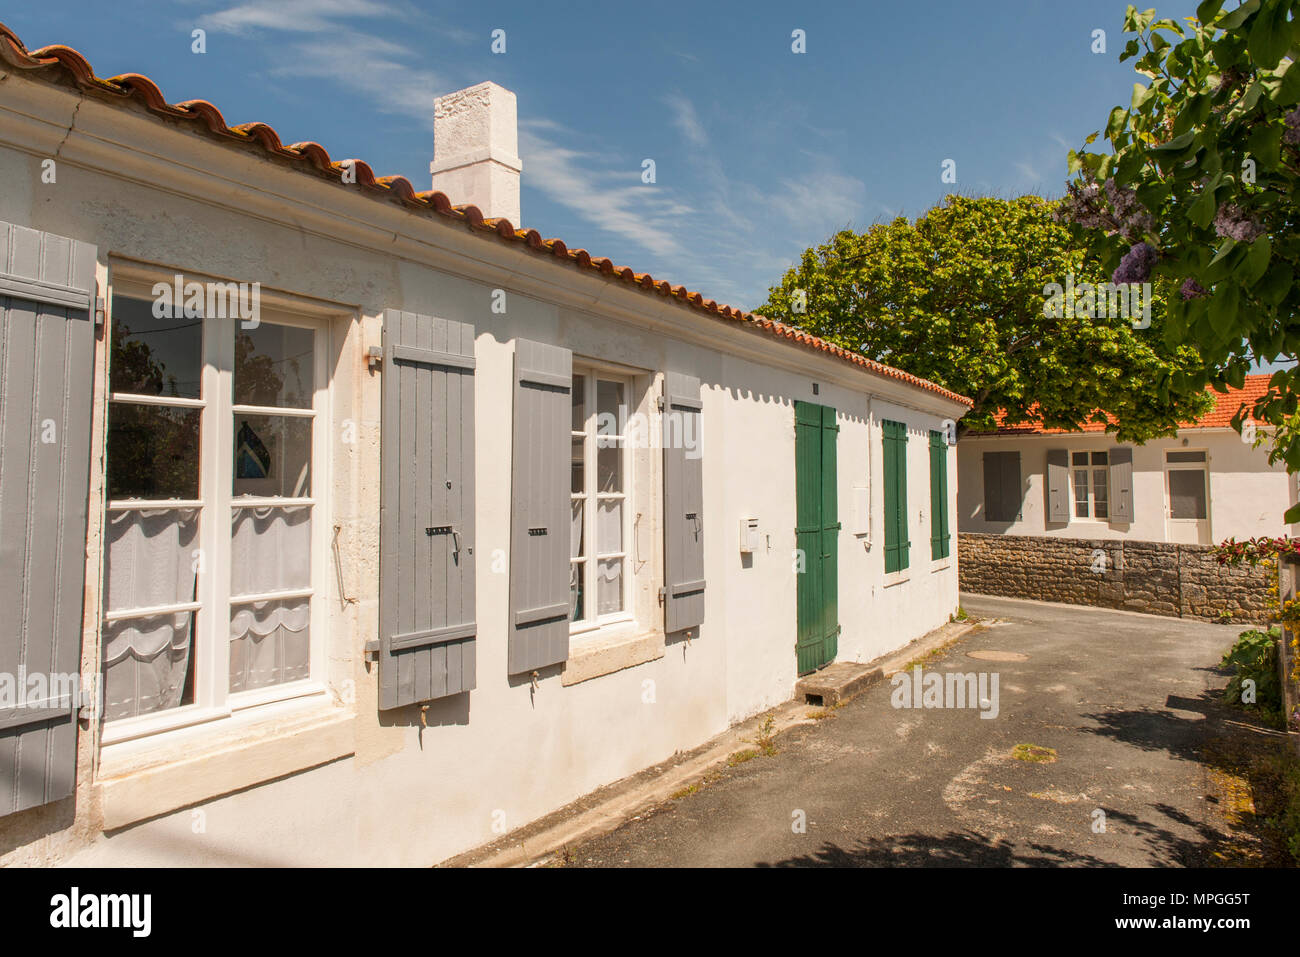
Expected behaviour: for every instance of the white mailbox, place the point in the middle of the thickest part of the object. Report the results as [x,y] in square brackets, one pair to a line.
[749,535]
[861,511]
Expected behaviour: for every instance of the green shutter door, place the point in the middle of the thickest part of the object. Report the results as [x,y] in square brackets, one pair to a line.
[938,496]
[817,535]
[895,472]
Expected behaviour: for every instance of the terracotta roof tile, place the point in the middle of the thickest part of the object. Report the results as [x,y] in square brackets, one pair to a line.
[1226,406]
[63,64]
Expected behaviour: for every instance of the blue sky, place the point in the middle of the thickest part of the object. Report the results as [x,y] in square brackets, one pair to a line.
[759,151]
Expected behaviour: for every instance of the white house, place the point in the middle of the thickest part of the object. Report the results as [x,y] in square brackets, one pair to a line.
[383,526]
[1204,485]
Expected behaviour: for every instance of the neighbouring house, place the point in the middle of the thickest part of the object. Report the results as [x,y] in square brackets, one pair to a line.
[1075,516]
[1205,484]
[379,525]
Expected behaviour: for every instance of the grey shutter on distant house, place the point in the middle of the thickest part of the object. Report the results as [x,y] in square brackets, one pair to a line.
[1058,485]
[1001,486]
[1121,484]
[541,515]
[683,504]
[47,345]
[426,518]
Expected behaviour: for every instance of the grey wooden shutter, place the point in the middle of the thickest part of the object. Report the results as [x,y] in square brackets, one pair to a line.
[540,519]
[47,344]
[1058,485]
[683,503]
[1001,486]
[993,508]
[1121,484]
[426,518]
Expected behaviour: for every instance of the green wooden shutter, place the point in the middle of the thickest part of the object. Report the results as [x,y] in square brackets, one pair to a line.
[895,468]
[817,535]
[938,496]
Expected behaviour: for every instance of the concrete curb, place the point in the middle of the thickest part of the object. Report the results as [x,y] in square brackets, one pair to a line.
[606,808]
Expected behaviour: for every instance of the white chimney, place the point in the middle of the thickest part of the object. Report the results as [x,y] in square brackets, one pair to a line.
[476,150]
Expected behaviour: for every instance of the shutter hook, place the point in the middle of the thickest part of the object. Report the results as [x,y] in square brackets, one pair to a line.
[424,715]
[533,678]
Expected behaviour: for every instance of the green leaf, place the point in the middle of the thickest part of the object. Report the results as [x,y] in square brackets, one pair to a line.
[1202,211]
[1227,247]
[1264,145]
[1223,309]
[1239,16]
[1256,261]
[1130,50]
[1292,514]
[1208,10]
[1276,284]
[1269,39]
[1177,144]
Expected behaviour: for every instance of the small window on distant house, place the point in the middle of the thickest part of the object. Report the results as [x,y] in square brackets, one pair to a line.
[598,573]
[1090,482]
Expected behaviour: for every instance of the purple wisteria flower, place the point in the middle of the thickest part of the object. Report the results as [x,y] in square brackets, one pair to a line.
[1136,265]
[1193,289]
[1233,222]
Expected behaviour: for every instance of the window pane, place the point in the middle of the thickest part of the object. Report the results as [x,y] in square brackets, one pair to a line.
[270,643]
[149,557]
[152,356]
[1185,457]
[577,482]
[153,451]
[609,586]
[274,366]
[576,534]
[1081,494]
[609,526]
[1079,458]
[609,468]
[1187,493]
[148,664]
[576,612]
[579,393]
[272,455]
[609,405]
[270,549]
[1099,458]
[1100,480]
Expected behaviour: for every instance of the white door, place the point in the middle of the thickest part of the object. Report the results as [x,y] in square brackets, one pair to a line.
[1187,497]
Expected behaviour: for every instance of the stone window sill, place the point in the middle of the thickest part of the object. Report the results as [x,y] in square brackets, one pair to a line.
[603,654]
[897,578]
[147,777]
[940,564]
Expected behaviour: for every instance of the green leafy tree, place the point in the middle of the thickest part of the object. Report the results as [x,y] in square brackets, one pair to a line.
[960,297]
[1198,188]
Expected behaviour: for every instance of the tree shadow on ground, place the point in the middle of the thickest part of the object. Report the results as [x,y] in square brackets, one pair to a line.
[954,849]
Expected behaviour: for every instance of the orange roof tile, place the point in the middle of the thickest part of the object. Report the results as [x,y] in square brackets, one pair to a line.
[1226,406]
[54,63]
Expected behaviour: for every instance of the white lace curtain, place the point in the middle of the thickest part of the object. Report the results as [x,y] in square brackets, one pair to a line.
[270,641]
[150,561]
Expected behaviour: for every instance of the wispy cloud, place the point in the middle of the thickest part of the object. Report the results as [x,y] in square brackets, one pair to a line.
[598,191]
[295,16]
[686,119]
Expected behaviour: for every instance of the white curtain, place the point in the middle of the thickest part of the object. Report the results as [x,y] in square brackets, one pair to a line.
[150,561]
[270,641]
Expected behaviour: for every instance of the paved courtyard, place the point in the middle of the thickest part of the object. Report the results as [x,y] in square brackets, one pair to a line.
[1120,698]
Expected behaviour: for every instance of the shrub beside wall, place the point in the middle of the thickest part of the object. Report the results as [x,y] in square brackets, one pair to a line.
[1182,581]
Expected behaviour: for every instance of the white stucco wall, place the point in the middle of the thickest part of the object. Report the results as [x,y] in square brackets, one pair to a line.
[386,790]
[1247,496]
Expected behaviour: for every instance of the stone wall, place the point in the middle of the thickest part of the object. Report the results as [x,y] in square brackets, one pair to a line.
[1153,577]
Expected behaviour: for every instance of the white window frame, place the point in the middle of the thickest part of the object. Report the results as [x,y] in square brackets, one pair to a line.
[591,499]
[1092,478]
[210,649]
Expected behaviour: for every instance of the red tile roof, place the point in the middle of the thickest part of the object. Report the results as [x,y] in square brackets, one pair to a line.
[61,63]
[1226,405]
